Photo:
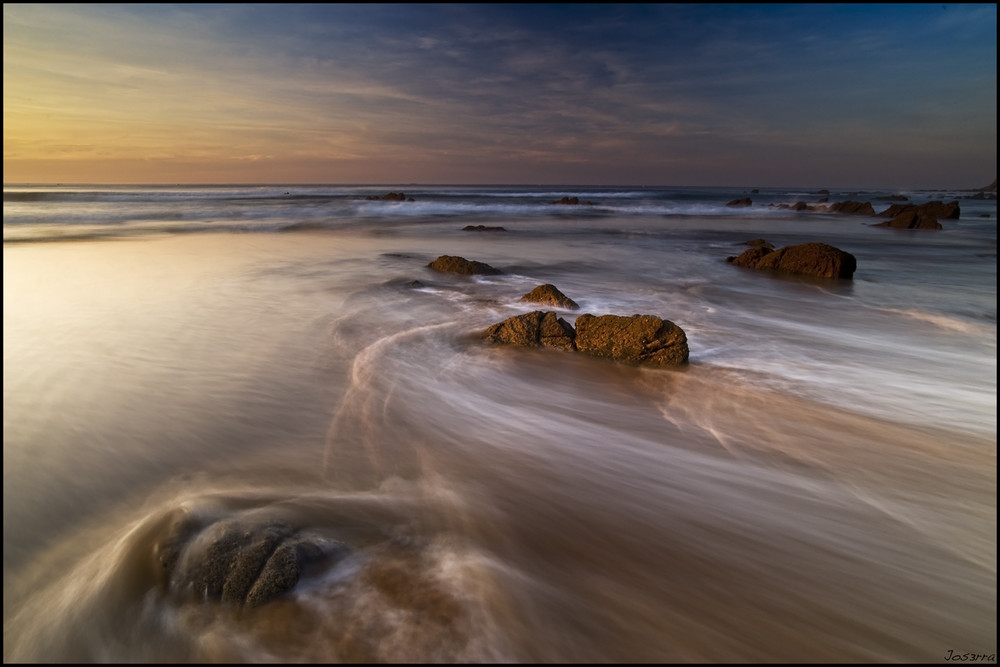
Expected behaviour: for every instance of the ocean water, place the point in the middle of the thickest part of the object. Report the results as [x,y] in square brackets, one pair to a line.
[818,484]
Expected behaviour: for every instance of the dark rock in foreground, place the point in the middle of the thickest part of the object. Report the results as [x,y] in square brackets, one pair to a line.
[550,295]
[534,329]
[812,259]
[639,339]
[455,264]
[240,561]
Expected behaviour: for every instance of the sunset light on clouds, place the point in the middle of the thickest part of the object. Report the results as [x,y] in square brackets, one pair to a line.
[838,95]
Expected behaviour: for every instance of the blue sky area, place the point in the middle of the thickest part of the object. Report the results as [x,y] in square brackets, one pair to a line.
[836,95]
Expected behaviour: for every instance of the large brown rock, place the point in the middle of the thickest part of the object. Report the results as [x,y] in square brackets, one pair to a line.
[534,329]
[745,201]
[639,339]
[812,259]
[550,295]
[455,264]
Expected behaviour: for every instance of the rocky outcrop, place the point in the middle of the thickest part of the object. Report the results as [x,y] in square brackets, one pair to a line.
[550,295]
[812,259]
[644,340]
[468,267]
[534,329]
[639,339]
[239,561]
[745,201]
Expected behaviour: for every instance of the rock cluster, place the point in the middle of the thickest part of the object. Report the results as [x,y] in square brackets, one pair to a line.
[644,340]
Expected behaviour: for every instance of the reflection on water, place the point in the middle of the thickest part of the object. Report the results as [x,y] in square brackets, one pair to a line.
[814,486]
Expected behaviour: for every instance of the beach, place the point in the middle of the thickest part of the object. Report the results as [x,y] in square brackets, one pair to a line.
[816,484]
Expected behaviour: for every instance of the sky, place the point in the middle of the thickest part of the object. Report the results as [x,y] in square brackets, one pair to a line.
[831,95]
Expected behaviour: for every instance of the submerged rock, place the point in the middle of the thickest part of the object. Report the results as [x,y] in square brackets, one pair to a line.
[550,295]
[238,561]
[811,259]
[455,264]
[639,339]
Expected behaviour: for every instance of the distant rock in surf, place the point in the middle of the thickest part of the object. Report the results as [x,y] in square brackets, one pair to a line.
[455,264]
[392,196]
[572,201]
[851,208]
[642,340]
[919,216]
[745,201]
[811,259]
[550,295]
[845,207]
[482,228]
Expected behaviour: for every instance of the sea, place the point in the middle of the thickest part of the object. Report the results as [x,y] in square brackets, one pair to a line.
[817,483]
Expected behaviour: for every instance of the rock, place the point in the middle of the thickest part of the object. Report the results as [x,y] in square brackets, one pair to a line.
[534,329]
[755,191]
[745,201]
[392,196]
[852,208]
[455,264]
[482,228]
[919,216]
[550,295]
[239,561]
[568,201]
[759,242]
[824,191]
[639,339]
[813,259]
[911,219]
